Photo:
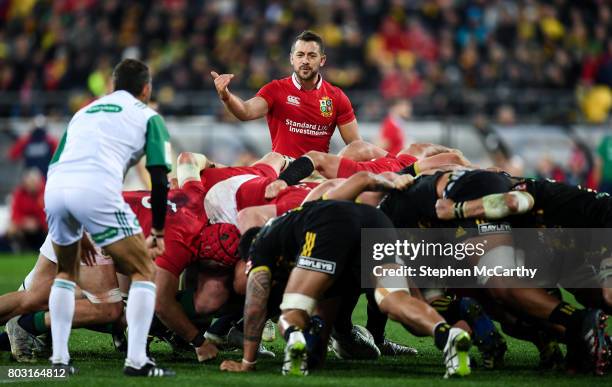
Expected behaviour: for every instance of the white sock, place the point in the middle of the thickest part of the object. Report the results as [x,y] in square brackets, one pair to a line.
[61,311]
[139,314]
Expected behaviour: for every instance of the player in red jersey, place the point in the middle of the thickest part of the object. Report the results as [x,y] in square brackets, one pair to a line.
[189,238]
[227,190]
[391,135]
[302,110]
[363,156]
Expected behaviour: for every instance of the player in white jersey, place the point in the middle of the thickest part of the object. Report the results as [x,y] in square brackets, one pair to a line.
[84,190]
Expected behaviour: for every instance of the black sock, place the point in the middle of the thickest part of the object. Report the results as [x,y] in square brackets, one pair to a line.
[377,321]
[240,325]
[567,316]
[34,323]
[441,335]
[289,331]
[344,323]
[222,325]
[5,344]
[522,329]
[448,308]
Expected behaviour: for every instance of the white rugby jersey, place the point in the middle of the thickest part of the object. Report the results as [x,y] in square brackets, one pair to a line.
[104,139]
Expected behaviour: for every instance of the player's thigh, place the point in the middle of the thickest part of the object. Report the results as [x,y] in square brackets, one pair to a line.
[327,250]
[255,216]
[309,283]
[273,159]
[327,164]
[131,257]
[362,151]
[98,279]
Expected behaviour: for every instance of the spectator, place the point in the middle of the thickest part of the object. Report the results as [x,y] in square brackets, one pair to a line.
[28,225]
[506,115]
[548,169]
[425,47]
[36,148]
[497,148]
[391,135]
[580,166]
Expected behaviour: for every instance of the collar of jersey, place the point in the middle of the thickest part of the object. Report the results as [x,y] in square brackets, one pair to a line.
[297,84]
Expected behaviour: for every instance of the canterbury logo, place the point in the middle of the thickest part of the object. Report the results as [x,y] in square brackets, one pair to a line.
[293,100]
[308,244]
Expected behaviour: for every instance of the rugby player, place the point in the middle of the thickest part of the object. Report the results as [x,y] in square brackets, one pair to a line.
[229,190]
[548,204]
[84,190]
[192,237]
[327,232]
[302,110]
[362,156]
[464,185]
[189,238]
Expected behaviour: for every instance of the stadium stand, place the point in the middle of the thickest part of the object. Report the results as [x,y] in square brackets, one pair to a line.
[452,57]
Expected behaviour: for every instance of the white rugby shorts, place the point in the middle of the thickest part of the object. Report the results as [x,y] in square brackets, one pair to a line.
[105,215]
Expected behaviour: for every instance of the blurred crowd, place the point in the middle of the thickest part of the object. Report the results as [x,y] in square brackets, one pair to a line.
[440,50]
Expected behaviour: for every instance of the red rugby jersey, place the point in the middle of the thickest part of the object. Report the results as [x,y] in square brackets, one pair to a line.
[185,219]
[304,120]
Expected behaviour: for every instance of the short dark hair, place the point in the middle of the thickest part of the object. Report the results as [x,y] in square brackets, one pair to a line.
[131,75]
[309,36]
[244,246]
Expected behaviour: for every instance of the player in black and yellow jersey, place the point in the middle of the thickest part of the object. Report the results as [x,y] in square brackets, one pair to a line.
[316,250]
[545,203]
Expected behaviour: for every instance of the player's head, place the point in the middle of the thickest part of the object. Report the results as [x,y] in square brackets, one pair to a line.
[401,107]
[307,55]
[219,243]
[134,77]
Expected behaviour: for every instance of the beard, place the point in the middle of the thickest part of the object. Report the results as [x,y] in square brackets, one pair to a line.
[311,74]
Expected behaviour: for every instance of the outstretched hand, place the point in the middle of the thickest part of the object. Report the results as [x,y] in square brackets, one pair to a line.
[88,251]
[221,83]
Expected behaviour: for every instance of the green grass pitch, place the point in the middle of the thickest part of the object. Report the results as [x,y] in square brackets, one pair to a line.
[100,365]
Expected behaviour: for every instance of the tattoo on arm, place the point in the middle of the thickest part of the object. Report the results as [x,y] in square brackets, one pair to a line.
[255,308]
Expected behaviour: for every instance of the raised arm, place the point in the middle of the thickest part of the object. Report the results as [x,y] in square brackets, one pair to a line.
[251,109]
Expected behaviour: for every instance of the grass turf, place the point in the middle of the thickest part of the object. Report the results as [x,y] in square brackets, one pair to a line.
[100,365]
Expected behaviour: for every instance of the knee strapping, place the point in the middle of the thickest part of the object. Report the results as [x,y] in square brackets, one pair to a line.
[298,301]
